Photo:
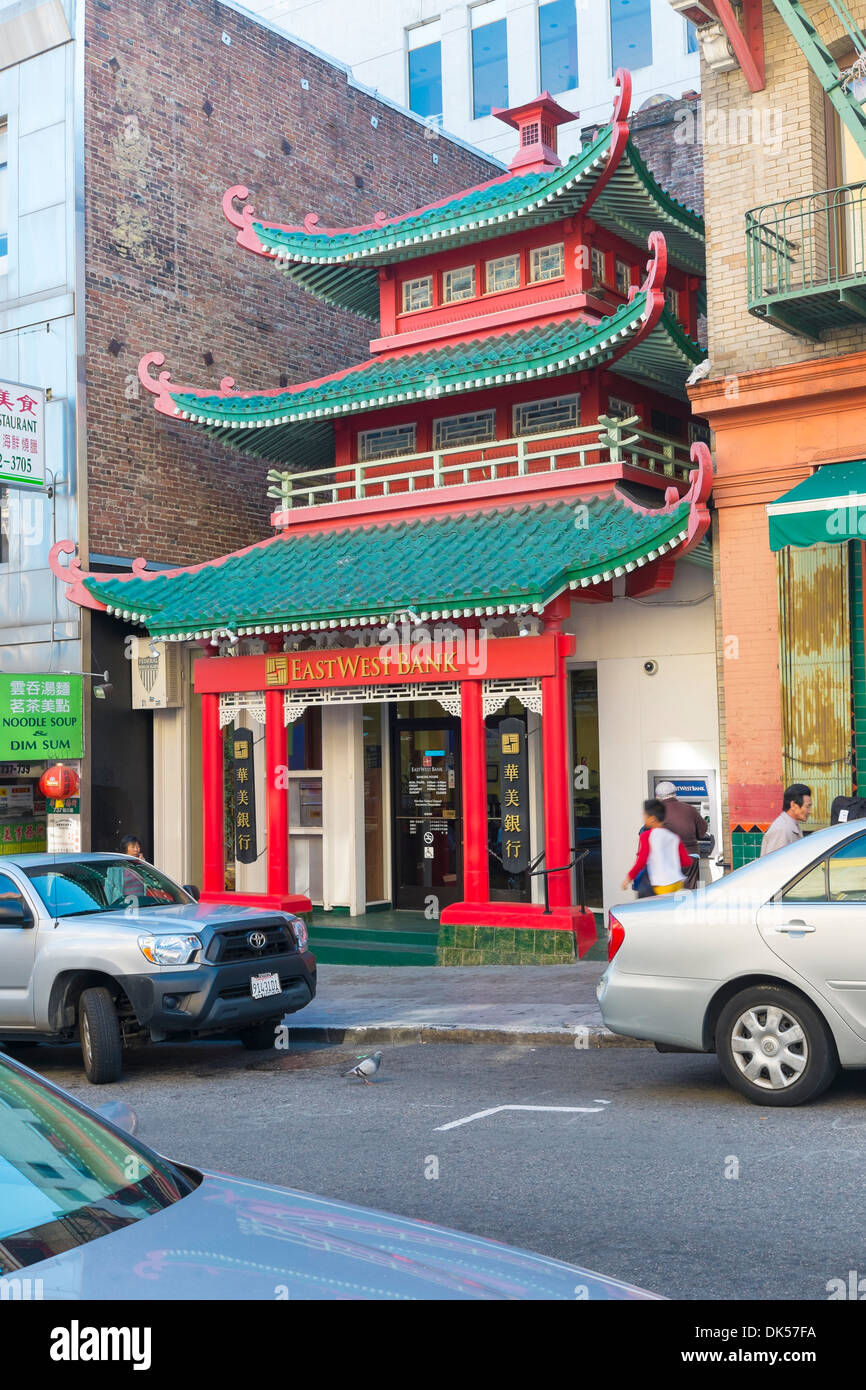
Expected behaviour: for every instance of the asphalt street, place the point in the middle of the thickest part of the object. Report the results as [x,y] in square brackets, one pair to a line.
[630,1180]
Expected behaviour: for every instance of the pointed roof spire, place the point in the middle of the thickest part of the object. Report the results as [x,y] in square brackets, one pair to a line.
[536,122]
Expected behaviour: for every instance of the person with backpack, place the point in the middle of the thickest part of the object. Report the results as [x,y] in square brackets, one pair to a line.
[662,856]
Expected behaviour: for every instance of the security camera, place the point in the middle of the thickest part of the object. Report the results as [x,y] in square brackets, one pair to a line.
[650,667]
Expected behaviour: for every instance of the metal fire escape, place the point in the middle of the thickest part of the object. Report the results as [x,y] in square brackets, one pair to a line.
[837,84]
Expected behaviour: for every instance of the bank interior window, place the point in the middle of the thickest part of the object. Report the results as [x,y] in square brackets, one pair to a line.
[547,416]
[458,284]
[502,274]
[547,262]
[476,427]
[386,443]
[418,294]
[623,277]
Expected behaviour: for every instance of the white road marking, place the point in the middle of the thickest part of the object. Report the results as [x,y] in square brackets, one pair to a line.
[557,1109]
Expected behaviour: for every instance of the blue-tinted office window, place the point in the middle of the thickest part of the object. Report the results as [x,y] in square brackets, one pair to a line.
[692,44]
[425,80]
[489,68]
[557,43]
[631,36]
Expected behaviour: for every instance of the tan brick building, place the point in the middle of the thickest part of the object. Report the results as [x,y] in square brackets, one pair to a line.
[784,395]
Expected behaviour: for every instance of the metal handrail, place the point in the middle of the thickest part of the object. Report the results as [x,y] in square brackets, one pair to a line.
[815,241]
[576,860]
[608,440]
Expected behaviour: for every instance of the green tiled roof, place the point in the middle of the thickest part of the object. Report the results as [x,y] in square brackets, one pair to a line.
[509,557]
[342,267]
[292,425]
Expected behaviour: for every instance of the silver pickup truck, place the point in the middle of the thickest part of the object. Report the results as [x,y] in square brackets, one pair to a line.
[106,949]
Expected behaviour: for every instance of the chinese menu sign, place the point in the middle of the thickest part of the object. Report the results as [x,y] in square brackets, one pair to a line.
[40,717]
[22,435]
[514,794]
[245,797]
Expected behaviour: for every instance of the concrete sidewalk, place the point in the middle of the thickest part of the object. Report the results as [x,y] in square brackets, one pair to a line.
[533,1004]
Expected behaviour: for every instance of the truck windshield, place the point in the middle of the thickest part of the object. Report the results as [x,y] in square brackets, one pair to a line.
[65,1177]
[102,885]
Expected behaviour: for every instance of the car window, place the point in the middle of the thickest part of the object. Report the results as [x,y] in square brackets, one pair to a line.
[99,885]
[847,872]
[65,1177]
[9,891]
[810,887]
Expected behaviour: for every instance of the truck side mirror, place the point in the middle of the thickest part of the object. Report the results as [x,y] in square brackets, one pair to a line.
[192,890]
[15,914]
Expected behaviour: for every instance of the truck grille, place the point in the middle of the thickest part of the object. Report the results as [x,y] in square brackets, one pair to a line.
[232,944]
[243,991]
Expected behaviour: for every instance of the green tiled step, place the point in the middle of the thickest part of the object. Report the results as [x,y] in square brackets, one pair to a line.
[370,953]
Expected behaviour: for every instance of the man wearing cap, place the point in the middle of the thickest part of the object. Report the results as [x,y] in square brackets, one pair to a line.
[684,820]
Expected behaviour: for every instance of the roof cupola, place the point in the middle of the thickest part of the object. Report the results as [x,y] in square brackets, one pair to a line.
[536,123]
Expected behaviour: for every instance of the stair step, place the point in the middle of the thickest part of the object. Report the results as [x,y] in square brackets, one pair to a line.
[371,953]
[372,934]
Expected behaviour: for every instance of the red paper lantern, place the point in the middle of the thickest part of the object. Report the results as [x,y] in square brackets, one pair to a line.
[59,782]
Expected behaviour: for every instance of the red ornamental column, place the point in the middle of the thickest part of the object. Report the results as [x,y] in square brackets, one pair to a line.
[277,802]
[476,870]
[557,792]
[213,868]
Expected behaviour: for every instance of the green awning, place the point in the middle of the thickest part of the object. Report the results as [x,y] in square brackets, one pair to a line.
[829,507]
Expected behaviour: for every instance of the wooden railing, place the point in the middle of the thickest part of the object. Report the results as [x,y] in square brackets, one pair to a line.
[606,441]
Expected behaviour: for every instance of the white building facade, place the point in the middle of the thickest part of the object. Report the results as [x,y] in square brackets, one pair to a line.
[452,63]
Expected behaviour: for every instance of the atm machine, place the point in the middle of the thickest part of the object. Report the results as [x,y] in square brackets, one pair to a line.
[698,788]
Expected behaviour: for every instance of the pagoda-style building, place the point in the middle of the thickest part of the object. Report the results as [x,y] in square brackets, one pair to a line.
[515,458]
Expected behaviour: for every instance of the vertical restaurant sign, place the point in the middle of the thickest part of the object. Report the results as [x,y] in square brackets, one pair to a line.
[40,716]
[246,850]
[22,435]
[514,794]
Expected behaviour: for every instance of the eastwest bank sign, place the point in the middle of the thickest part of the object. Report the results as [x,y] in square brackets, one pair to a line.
[500,659]
[22,435]
[40,717]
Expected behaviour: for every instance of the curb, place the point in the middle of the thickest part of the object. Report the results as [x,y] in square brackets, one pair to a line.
[581,1036]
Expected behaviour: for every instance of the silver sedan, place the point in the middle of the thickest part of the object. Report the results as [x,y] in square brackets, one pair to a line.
[766,968]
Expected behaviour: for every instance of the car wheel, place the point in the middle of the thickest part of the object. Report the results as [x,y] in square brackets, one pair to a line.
[775,1047]
[99,1033]
[261,1035]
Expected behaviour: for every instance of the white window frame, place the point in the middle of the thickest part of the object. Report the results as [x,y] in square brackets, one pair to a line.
[672,300]
[488,437]
[406,288]
[537,251]
[554,428]
[499,260]
[447,297]
[620,264]
[406,446]
[598,257]
[421,36]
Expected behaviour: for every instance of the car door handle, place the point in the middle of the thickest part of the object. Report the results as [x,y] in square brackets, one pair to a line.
[797,927]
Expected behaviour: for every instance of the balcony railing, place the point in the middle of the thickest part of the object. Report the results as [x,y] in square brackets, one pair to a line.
[806,260]
[606,441]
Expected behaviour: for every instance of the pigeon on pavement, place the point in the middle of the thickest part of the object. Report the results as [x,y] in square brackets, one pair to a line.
[367,1067]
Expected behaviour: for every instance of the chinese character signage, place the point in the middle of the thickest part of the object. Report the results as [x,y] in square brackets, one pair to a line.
[22,435]
[514,794]
[245,797]
[40,717]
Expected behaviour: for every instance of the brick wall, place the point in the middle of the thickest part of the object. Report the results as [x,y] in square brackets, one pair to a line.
[175,115]
[760,148]
[666,136]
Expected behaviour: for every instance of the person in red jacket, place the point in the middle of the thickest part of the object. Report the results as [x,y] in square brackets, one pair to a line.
[660,852]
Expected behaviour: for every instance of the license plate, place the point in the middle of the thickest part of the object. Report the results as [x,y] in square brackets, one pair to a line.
[262,986]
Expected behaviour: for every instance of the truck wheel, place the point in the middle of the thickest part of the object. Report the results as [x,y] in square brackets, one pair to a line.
[261,1035]
[774,1047]
[99,1032]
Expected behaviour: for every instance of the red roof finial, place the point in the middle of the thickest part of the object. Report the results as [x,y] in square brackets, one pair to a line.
[536,121]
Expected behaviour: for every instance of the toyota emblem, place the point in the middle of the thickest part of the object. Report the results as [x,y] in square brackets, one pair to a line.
[257,940]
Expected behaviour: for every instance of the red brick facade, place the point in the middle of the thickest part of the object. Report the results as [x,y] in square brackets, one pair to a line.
[175,115]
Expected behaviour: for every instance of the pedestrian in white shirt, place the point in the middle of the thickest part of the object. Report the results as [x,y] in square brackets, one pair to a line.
[788,827]
[661,853]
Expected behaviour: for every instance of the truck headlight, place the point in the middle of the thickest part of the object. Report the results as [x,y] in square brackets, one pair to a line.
[299,927]
[169,950]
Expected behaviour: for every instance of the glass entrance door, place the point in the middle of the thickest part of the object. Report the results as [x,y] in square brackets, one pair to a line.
[427,823]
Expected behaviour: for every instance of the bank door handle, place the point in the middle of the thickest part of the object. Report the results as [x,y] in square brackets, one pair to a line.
[795,927]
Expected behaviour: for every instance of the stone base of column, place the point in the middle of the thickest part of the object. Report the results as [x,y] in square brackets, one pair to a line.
[513,934]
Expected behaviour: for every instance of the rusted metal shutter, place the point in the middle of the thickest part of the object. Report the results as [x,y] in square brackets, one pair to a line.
[815,672]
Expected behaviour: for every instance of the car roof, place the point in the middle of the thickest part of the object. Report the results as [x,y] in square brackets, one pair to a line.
[29,861]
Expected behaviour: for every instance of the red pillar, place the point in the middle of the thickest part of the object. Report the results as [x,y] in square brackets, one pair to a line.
[476,870]
[557,789]
[277,797]
[213,868]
